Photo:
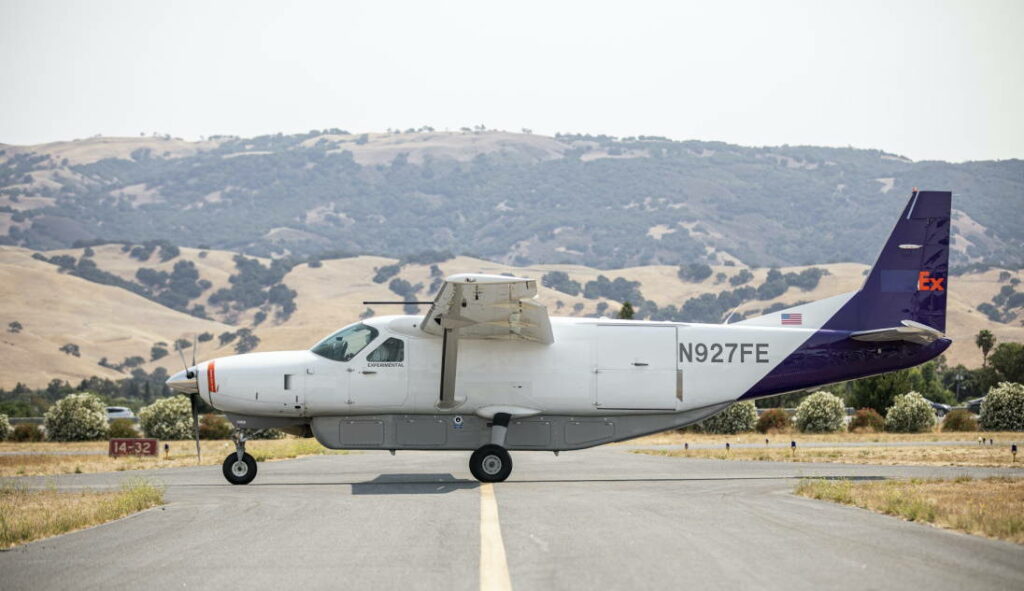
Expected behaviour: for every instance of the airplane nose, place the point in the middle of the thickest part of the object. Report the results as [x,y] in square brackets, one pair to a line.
[183,382]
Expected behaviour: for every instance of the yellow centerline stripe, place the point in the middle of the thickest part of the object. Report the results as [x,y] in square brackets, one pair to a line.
[493,566]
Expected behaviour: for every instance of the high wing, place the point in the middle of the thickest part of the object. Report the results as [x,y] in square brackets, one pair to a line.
[489,307]
[476,306]
[911,331]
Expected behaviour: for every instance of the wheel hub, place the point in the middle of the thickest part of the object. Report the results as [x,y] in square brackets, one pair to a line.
[239,468]
[491,465]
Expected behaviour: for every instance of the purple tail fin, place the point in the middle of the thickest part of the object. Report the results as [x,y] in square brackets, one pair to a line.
[910,278]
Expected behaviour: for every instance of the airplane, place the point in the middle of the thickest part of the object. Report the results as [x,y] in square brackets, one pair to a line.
[487,370]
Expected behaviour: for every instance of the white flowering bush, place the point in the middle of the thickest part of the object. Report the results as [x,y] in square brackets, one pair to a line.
[168,418]
[5,427]
[1003,408]
[910,413]
[821,412]
[738,418]
[76,417]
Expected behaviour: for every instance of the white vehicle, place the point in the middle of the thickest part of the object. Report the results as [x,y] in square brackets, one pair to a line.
[486,369]
[119,412]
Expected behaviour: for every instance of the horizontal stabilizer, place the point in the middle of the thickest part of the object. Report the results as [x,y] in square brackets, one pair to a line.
[911,331]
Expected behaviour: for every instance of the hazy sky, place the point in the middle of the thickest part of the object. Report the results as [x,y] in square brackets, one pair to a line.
[931,79]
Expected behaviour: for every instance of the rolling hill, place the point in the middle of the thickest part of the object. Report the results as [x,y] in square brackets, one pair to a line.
[520,199]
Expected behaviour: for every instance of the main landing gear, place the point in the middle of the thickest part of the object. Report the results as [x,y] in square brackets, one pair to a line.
[492,462]
[239,467]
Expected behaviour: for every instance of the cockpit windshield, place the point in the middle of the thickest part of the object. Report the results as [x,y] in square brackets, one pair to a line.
[346,343]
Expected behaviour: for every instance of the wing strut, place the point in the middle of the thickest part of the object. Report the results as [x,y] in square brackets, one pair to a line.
[450,351]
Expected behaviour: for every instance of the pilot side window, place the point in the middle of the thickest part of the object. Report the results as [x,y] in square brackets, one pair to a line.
[391,350]
[346,343]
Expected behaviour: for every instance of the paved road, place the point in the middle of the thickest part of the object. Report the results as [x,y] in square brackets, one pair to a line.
[601,518]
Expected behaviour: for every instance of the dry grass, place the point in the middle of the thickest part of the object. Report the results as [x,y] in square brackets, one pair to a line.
[27,515]
[903,456]
[679,438]
[993,507]
[182,453]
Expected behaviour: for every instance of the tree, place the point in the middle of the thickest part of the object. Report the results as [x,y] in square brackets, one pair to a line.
[821,412]
[773,419]
[1003,408]
[247,341]
[71,349]
[167,418]
[626,312]
[985,341]
[14,327]
[740,417]
[910,413]
[1008,361]
[76,417]
[157,352]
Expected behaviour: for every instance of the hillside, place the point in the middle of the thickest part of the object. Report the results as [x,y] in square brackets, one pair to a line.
[519,199]
[56,308]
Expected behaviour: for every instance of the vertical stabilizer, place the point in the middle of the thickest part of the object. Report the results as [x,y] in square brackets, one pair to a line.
[910,278]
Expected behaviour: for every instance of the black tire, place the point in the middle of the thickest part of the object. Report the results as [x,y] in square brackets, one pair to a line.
[239,472]
[490,463]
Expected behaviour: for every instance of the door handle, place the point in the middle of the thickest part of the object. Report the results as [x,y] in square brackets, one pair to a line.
[368,371]
[640,364]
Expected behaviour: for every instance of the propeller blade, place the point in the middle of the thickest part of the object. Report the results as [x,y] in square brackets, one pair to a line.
[195,423]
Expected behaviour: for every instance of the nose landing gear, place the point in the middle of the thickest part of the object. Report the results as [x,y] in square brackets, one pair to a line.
[239,467]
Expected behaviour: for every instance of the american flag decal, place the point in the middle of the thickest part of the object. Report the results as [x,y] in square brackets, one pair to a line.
[795,319]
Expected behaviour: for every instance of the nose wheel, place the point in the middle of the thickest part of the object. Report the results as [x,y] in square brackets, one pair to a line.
[239,467]
[490,463]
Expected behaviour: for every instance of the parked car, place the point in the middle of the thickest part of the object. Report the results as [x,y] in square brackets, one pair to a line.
[940,409]
[120,412]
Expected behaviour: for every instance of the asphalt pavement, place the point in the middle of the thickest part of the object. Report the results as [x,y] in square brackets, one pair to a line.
[602,518]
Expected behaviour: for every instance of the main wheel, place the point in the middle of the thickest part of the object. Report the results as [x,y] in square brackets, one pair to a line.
[239,471]
[490,463]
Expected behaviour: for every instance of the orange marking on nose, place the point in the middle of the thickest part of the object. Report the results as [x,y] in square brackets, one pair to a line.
[211,377]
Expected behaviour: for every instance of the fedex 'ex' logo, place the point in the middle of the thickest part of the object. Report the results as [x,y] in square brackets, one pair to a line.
[925,282]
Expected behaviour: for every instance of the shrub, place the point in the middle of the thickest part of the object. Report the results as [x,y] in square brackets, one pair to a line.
[773,419]
[76,417]
[960,420]
[26,432]
[867,419]
[821,412]
[5,427]
[122,429]
[910,413]
[737,418]
[214,427]
[168,418]
[1003,408]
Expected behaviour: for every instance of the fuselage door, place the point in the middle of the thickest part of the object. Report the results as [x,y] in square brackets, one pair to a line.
[636,367]
[381,378]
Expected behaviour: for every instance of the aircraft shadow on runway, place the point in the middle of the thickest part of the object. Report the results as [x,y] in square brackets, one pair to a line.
[412,484]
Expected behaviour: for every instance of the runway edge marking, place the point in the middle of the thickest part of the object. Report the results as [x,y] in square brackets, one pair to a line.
[493,565]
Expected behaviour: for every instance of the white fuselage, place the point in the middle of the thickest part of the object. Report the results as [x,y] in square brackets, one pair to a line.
[594,367]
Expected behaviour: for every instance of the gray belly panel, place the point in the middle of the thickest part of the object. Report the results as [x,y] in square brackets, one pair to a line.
[469,432]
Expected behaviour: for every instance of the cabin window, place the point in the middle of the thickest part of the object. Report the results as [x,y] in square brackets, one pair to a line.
[391,350]
[346,343]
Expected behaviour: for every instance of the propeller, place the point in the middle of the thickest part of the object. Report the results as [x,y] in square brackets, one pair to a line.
[193,397]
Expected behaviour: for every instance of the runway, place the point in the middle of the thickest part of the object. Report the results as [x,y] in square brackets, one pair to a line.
[601,518]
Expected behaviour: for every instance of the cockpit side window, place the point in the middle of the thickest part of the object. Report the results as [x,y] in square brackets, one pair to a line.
[346,343]
[391,350]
